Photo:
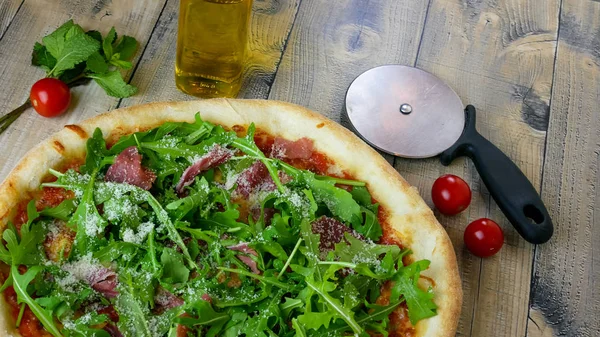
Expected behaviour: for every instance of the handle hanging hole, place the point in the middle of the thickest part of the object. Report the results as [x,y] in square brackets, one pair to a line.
[534,214]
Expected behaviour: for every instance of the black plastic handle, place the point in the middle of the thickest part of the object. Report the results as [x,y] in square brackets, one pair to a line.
[509,187]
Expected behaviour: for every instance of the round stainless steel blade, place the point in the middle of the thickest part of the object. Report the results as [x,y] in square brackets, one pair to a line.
[405,111]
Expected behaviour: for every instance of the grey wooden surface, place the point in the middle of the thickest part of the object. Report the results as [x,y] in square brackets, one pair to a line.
[532,67]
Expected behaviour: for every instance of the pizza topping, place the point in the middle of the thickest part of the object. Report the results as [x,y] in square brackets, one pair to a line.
[250,263]
[215,157]
[220,244]
[112,330]
[267,214]
[104,281]
[331,231]
[166,300]
[243,247]
[128,169]
[298,149]
[257,178]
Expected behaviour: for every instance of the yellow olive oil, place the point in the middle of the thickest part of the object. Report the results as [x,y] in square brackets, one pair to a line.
[211,46]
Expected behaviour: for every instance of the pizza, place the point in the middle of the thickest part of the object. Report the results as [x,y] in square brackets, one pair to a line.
[219,218]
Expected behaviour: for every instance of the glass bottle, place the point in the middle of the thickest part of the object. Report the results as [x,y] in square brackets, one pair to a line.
[212,43]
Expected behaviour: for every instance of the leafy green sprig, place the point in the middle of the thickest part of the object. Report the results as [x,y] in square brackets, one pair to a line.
[75,57]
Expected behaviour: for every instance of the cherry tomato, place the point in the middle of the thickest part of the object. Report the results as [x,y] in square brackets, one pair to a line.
[483,237]
[50,97]
[451,195]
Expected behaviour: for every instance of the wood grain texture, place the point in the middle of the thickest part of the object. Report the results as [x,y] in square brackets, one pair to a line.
[8,9]
[334,42]
[567,269]
[498,55]
[36,19]
[270,26]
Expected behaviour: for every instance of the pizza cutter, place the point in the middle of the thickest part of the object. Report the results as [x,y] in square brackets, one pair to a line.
[408,112]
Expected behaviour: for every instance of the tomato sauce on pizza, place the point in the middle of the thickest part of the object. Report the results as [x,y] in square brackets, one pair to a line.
[193,228]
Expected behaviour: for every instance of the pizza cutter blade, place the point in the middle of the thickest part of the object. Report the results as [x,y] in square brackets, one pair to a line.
[411,113]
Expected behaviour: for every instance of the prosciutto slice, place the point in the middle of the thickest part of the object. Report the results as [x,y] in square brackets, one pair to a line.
[112,330]
[128,169]
[104,281]
[287,149]
[250,263]
[268,216]
[257,177]
[206,297]
[243,248]
[215,157]
[332,231]
[165,300]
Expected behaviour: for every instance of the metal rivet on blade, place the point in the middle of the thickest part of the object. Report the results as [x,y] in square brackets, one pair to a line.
[406,108]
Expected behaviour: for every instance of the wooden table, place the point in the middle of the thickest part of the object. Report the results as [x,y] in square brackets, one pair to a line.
[532,67]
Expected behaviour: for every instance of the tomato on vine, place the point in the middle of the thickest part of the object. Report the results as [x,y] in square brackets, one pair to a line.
[50,97]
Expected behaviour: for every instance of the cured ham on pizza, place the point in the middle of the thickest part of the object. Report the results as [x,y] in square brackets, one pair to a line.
[219,218]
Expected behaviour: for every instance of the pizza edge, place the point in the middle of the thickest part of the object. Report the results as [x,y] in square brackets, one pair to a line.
[409,215]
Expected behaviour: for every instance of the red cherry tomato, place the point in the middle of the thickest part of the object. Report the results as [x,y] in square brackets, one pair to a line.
[50,97]
[451,195]
[483,237]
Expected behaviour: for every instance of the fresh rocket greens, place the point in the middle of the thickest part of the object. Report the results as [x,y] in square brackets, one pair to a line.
[209,260]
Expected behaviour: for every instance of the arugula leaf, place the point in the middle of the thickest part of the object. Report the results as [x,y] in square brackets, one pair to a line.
[420,302]
[113,84]
[96,153]
[361,195]
[25,250]
[199,192]
[171,230]
[87,220]
[174,271]
[20,283]
[370,228]
[116,250]
[289,305]
[62,211]
[204,314]
[338,201]
[133,320]
[300,329]
[248,146]
[83,326]
[315,320]
[335,305]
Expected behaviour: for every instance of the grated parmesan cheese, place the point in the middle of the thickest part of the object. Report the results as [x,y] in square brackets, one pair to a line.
[129,235]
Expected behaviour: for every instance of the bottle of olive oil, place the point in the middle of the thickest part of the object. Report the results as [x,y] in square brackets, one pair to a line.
[211,46]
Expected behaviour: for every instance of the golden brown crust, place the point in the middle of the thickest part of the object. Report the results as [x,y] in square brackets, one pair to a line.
[411,218]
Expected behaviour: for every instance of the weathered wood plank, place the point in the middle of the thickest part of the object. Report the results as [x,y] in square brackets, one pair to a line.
[8,9]
[334,42]
[34,20]
[565,298]
[271,23]
[497,55]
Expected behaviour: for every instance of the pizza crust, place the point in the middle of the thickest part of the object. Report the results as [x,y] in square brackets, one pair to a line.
[409,215]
